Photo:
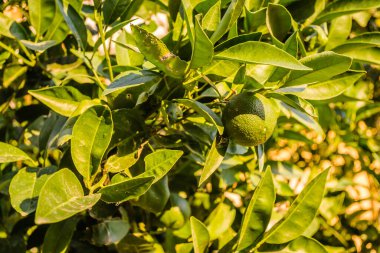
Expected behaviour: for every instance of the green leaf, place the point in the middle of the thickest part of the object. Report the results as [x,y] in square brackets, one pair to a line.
[304,244]
[110,231]
[14,76]
[340,29]
[338,64]
[204,111]
[63,100]
[25,188]
[62,197]
[229,18]
[38,46]
[113,9]
[367,111]
[255,36]
[203,49]
[260,52]
[200,235]
[131,80]
[220,220]
[279,21]
[211,19]
[214,158]
[258,212]
[323,90]
[126,189]
[75,23]
[365,55]
[58,236]
[41,14]
[300,214]
[125,56]
[158,163]
[364,40]
[10,28]
[90,138]
[157,53]
[114,29]
[345,7]
[116,163]
[10,153]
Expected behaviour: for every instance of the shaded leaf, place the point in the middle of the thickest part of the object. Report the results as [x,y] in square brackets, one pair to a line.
[110,231]
[279,21]
[113,9]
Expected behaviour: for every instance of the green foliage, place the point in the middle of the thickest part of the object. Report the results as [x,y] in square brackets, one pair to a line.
[112,138]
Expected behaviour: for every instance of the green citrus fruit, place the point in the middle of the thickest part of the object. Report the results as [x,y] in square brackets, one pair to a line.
[249,119]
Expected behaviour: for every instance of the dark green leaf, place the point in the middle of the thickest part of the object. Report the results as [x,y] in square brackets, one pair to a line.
[279,21]
[113,9]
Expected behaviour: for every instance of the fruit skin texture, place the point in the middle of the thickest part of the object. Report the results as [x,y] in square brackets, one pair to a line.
[249,119]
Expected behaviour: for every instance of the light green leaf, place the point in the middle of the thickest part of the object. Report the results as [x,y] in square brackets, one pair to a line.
[158,163]
[279,21]
[62,197]
[90,138]
[203,49]
[10,28]
[113,9]
[258,213]
[220,220]
[41,14]
[300,214]
[255,36]
[63,100]
[58,236]
[367,111]
[126,189]
[116,28]
[75,23]
[157,53]
[10,153]
[365,55]
[304,244]
[39,46]
[211,19]
[25,188]
[229,18]
[364,40]
[204,111]
[260,52]
[14,76]
[116,163]
[338,64]
[200,235]
[323,90]
[125,56]
[344,7]
[214,158]
[340,29]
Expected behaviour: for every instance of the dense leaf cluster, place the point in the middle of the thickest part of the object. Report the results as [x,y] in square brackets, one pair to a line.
[112,137]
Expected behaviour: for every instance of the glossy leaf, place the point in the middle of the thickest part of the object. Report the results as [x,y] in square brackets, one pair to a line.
[304,244]
[41,14]
[62,197]
[258,213]
[307,204]
[255,36]
[39,46]
[113,9]
[157,53]
[324,90]
[58,236]
[279,21]
[63,100]
[125,56]
[364,40]
[211,19]
[25,188]
[204,111]
[110,231]
[229,18]
[91,136]
[365,55]
[344,7]
[200,235]
[263,53]
[10,153]
[340,29]
[126,189]
[158,163]
[338,64]
[220,220]
[203,49]
[214,158]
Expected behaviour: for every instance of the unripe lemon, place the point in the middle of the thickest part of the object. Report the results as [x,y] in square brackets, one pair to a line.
[249,119]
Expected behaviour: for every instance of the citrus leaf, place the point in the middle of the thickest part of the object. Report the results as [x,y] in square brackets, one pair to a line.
[63,100]
[158,163]
[307,203]
[200,235]
[367,111]
[62,197]
[203,49]
[204,111]
[279,21]
[304,244]
[110,231]
[41,14]
[365,55]
[39,46]
[260,52]
[340,29]
[211,19]
[126,189]
[255,36]
[157,53]
[258,212]
[220,220]
[10,153]
[113,9]
[91,136]
[214,158]
[338,64]
[363,40]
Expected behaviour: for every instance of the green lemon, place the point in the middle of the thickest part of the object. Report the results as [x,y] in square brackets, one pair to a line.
[249,119]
